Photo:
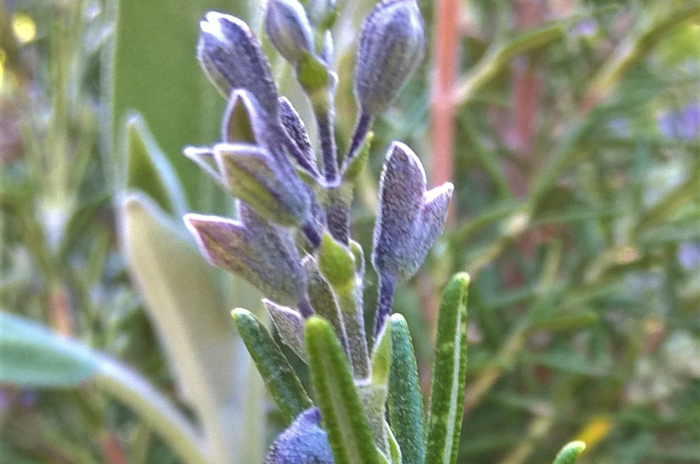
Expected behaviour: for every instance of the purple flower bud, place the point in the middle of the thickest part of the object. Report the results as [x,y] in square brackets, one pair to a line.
[262,253]
[409,219]
[682,124]
[391,47]
[289,30]
[304,442]
[269,186]
[233,58]
[323,13]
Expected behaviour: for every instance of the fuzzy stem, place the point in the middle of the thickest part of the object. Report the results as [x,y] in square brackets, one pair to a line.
[358,137]
[305,308]
[387,285]
[329,152]
[338,215]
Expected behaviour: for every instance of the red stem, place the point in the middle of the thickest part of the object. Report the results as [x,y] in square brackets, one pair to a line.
[442,108]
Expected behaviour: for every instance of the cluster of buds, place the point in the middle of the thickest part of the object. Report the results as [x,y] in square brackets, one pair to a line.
[266,160]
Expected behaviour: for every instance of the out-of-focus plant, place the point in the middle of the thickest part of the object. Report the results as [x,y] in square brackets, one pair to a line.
[576,187]
[578,204]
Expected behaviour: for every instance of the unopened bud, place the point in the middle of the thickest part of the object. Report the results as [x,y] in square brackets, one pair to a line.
[232,57]
[289,30]
[262,253]
[253,175]
[409,219]
[323,13]
[303,442]
[391,47]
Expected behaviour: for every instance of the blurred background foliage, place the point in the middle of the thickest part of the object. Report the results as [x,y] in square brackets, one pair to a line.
[575,152]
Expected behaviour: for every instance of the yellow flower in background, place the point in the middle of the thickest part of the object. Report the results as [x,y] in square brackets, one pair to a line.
[3,57]
[24,28]
[595,431]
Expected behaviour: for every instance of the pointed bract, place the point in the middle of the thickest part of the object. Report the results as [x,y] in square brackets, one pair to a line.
[241,118]
[290,326]
[253,175]
[295,129]
[262,253]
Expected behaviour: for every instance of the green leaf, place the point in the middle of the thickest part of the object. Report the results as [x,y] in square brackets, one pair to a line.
[336,262]
[279,377]
[405,397]
[148,169]
[570,453]
[342,411]
[449,371]
[381,357]
[155,72]
[186,306]
[358,162]
[394,449]
[31,356]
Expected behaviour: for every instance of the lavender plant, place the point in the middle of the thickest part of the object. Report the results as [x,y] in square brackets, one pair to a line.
[313,287]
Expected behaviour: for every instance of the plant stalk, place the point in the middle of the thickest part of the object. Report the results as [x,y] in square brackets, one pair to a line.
[133,390]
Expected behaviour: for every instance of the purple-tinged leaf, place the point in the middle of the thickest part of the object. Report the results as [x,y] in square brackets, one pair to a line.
[262,253]
[290,325]
[253,175]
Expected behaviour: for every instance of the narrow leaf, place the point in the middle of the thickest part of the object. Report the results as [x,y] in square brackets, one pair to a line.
[570,453]
[156,73]
[279,377]
[343,415]
[405,397]
[32,356]
[449,370]
[187,308]
[149,170]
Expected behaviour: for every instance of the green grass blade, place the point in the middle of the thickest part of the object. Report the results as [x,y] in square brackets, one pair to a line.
[154,71]
[570,453]
[149,170]
[279,377]
[447,398]
[405,398]
[342,411]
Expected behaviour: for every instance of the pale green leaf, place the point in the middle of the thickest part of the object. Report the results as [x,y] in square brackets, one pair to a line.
[405,397]
[337,398]
[449,371]
[32,356]
[570,453]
